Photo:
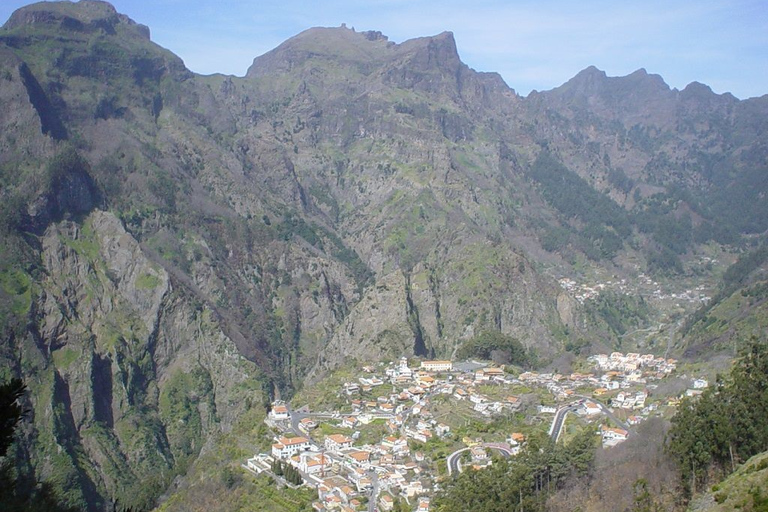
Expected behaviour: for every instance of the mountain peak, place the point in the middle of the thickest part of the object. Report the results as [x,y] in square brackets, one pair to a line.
[83,16]
[361,49]
[694,89]
[591,71]
[336,43]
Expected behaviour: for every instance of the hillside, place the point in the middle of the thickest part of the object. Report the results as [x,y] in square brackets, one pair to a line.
[743,490]
[180,249]
[737,312]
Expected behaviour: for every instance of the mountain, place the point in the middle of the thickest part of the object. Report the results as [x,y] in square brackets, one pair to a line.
[180,249]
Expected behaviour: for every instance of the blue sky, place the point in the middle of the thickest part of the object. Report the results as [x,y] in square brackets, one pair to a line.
[533,44]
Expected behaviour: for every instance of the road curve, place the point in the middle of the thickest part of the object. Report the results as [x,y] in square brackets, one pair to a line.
[453,459]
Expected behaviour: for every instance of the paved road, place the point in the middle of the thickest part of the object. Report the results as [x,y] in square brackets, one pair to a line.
[453,459]
[559,420]
[605,410]
[372,498]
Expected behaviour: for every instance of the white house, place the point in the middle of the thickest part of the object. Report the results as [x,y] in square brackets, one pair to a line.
[313,463]
[591,408]
[286,447]
[336,442]
[279,412]
[613,436]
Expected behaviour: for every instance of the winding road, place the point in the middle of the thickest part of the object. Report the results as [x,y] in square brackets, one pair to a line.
[453,460]
[559,420]
[555,429]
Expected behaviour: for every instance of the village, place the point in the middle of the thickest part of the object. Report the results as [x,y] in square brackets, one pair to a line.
[407,425]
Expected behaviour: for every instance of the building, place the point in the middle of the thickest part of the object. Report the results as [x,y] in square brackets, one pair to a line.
[614,433]
[591,408]
[386,502]
[700,384]
[314,463]
[336,442]
[286,447]
[348,422]
[359,457]
[460,394]
[478,453]
[613,436]
[279,412]
[307,424]
[437,366]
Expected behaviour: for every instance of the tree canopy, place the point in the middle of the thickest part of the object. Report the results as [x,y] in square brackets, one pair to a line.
[494,345]
[727,424]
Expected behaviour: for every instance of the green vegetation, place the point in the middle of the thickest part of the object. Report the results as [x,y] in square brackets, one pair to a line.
[179,410]
[726,425]
[519,483]
[147,282]
[735,277]
[327,394]
[606,224]
[18,491]
[17,287]
[496,346]
[65,357]
[620,311]
[290,473]
[745,489]
[319,237]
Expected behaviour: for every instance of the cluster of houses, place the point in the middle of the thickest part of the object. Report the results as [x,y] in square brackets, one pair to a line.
[634,366]
[347,472]
[343,471]
[344,474]
[583,293]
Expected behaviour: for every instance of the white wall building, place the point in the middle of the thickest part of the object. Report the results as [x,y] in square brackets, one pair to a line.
[286,447]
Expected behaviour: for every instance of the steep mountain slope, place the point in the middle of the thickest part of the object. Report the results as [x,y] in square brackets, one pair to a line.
[689,165]
[178,249]
[738,312]
[743,490]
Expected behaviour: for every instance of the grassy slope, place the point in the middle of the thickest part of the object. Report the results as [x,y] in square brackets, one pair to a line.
[738,316]
[746,489]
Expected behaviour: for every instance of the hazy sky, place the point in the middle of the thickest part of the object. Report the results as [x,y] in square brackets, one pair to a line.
[533,44]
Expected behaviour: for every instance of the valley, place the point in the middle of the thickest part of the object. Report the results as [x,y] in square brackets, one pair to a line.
[394,432]
[182,254]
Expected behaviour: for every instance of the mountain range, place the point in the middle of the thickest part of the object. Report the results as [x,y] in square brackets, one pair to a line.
[178,250]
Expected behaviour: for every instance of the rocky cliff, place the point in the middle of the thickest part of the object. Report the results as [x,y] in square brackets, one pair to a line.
[178,249]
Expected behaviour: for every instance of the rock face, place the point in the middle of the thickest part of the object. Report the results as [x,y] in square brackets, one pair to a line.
[111,363]
[177,247]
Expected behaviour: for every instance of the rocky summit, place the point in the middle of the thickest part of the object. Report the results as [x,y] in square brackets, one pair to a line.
[179,250]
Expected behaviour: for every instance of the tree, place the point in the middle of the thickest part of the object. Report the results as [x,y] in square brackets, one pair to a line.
[497,346]
[727,424]
[17,492]
[11,412]
[642,500]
